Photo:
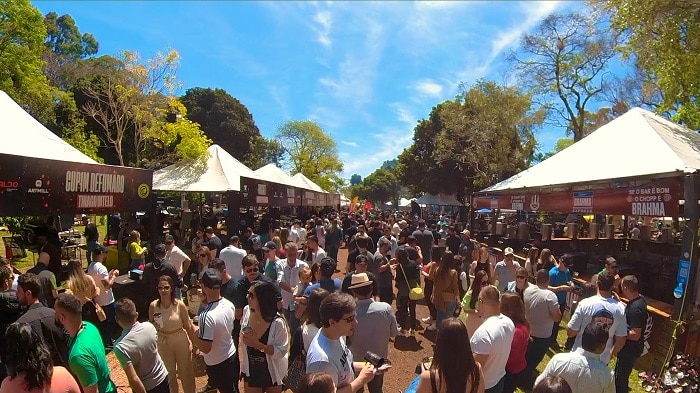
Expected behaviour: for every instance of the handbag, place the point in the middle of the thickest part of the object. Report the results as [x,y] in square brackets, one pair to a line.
[295,372]
[414,293]
[101,316]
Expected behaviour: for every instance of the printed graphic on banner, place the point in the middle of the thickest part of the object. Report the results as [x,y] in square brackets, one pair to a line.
[517,202]
[534,202]
[583,202]
[649,201]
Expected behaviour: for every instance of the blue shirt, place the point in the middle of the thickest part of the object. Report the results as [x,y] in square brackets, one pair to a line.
[329,285]
[558,277]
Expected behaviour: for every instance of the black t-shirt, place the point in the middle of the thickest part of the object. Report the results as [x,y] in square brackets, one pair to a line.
[412,252]
[425,241]
[228,290]
[91,233]
[43,322]
[243,285]
[151,275]
[348,280]
[214,243]
[375,234]
[636,314]
[453,242]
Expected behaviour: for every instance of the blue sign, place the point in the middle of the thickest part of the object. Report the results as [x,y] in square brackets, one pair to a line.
[683,271]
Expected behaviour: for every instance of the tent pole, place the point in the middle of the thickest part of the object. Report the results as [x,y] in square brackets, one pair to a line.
[688,252]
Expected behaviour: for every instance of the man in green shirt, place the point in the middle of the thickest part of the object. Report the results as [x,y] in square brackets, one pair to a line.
[86,356]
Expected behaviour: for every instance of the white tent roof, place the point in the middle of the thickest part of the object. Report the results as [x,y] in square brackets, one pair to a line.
[22,135]
[438,200]
[308,184]
[274,174]
[403,202]
[636,144]
[222,173]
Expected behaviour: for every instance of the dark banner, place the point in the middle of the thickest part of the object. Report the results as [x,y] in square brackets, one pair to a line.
[34,186]
[255,192]
[657,199]
[263,193]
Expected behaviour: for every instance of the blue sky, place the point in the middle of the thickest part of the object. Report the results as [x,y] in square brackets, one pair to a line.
[365,71]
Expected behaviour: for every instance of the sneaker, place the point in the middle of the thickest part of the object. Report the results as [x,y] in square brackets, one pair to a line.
[432,327]
[427,320]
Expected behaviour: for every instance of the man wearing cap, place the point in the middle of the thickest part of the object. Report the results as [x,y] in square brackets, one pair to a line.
[177,257]
[504,271]
[362,244]
[272,266]
[326,282]
[212,242]
[361,264]
[289,282]
[233,255]
[214,337]
[92,237]
[153,270]
[376,324]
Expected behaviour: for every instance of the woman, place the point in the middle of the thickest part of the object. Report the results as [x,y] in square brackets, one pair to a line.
[203,259]
[452,371]
[520,284]
[280,249]
[84,288]
[445,287]
[316,382]
[407,277]
[169,315]
[469,302]
[512,307]
[428,291]
[197,240]
[284,236]
[546,260]
[29,365]
[264,347]
[531,263]
[136,252]
[310,326]
[482,264]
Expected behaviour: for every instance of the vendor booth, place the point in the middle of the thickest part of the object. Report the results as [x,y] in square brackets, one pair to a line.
[639,166]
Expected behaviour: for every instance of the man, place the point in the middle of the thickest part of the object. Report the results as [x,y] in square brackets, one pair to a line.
[582,368]
[233,255]
[49,287]
[542,310]
[317,253]
[49,252]
[362,244]
[104,280]
[334,235]
[153,270]
[10,309]
[601,308]
[289,282]
[425,240]
[492,340]
[436,234]
[361,263]
[212,242]
[374,234]
[92,237]
[610,266]
[329,354]
[389,236]
[326,281]
[636,314]
[137,351]
[376,324]
[42,319]
[86,356]
[272,265]
[414,250]
[177,258]
[560,283]
[383,271]
[301,232]
[396,228]
[214,335]
[228,285]
[504,271]
[452,242]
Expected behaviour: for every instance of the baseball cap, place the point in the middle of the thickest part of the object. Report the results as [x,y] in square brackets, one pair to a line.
[270,246]
[169,239]
[211,278]
[99,249]
[361,259]
[159,249]
[507,251]
[328,266]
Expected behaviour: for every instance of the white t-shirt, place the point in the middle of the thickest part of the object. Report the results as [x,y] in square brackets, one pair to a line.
[318,255]
[606,310]
[177,257]
[99,272]
[302,235]
[494,338]
[290,276]
[216,325]
[294,235]
[332,357]
[233,258]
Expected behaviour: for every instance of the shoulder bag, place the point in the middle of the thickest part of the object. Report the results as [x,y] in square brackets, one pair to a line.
[414,293]
[296,370]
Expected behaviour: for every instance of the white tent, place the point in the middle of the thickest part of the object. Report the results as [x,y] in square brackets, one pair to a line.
[22,135]
[308,184]
[438,200]
[273,174]
[404,202]
[638,144]
[222,173]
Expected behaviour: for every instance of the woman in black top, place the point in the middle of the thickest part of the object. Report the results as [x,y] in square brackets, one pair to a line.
[482,264]
[407,277]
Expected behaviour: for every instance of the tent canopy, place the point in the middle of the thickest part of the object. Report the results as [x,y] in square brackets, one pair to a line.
[25,136]
[273,174]
[308,184]
[222,173]
[438,200]
[636,145]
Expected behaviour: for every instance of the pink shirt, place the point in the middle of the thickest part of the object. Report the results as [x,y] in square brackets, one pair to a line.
[61,382]
[516,360]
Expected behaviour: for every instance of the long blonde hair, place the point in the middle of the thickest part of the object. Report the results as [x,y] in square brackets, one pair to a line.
[79,283]
[135,236]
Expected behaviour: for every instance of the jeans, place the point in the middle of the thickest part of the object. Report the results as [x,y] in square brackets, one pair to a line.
[448,313]
[623,369]
[406,312]
[386,295]
[163,387]
[555,328]
[332,251]
[109,326]
[292,321]
[224,376]
[536,349]
[512,380]
[498,387]
[428,289]
[91,246]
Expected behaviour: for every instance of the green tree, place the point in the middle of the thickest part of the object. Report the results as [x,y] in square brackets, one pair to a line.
[65,47]
[312,152]
[264,151]
[228,123]
[380,186]
[22,34]
[563,63]
[355,179]
[71,126]
[559,145]
[390,164]
[664,42]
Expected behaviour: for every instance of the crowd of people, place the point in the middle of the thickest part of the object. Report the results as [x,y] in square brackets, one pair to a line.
[279,312]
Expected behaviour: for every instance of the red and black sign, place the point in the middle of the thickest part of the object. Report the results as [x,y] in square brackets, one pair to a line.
[34,186]
[655,199]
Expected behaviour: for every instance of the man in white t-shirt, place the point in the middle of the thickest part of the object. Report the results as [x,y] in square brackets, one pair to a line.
[177,258]
[601,308]
[104,280]
[542,310]
[492,340]
[317,253]
[505,269]
[233,255]
[328,352]
[214,337]
[288,283]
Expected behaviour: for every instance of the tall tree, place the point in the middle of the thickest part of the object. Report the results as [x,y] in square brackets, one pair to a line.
[264,151]
[309,150]
[70,125]
[664,42]
[355,179]
[227,122]
[380,186]
[65,47]
[563,63]
[22,34]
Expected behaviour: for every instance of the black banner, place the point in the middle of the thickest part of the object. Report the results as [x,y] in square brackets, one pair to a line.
[34,186]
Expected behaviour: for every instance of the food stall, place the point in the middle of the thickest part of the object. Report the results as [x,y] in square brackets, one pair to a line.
[640,166]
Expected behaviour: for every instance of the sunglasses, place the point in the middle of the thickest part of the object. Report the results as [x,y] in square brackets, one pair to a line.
[522,277]
[484,283]
[167,288]
[203,255]
[252,270]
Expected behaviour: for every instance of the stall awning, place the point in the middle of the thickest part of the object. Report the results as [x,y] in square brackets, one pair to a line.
[438,200]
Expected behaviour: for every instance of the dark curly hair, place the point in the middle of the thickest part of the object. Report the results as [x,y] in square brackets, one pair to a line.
[27,353]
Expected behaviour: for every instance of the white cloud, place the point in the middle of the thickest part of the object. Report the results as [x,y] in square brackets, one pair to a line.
[428,87]
[324,20]
[349,143]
